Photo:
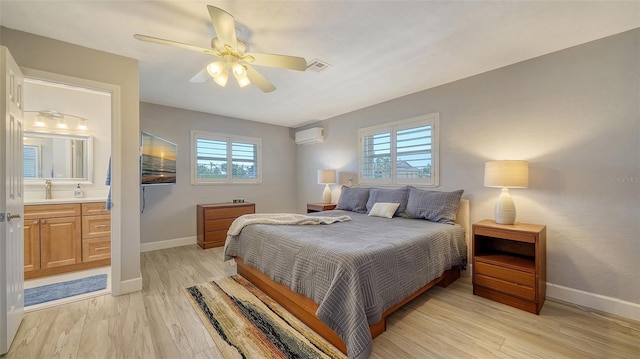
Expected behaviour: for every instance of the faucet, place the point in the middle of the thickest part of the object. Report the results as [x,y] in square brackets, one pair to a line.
[47,187]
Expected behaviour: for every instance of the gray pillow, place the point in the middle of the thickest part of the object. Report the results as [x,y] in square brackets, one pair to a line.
[433,205]
[398,195]
[353,199]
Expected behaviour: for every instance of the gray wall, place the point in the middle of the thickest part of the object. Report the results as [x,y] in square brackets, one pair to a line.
[41,53]
[170,211]
[573,114]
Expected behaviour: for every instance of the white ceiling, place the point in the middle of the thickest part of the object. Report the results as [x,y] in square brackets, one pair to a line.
[378,50]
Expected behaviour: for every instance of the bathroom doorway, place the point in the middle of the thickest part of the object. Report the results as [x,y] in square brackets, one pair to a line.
[68,139]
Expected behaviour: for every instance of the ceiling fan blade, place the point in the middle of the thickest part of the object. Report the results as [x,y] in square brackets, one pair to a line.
[257,79]
[201,77]
[273,60]
[224,25]
[160,41]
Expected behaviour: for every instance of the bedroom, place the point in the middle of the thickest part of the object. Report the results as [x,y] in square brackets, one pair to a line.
[550,110]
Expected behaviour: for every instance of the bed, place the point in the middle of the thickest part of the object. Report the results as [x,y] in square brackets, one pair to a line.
[345,278]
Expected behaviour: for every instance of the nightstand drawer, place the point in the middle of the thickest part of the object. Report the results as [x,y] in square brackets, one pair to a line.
[510,275]
[505,287]
[499,233]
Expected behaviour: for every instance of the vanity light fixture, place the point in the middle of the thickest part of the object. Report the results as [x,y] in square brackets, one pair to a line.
[62,120]
[62,123]
[39,121]
[82,124]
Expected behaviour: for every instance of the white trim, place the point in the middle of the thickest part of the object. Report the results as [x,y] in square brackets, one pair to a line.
[228,139]
[169,243]
[392,128]
[130,285]
[32,283]
[116,160]
[595,301]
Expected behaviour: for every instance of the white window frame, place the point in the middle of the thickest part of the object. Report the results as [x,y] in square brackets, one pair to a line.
[229,139]
[432,120]
[36,162]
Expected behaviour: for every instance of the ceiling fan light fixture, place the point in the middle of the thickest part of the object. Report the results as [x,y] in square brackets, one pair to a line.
[219,71]
[238,70]
[222,78]
[243,81]
[215,68]
[229,46]
[240,73]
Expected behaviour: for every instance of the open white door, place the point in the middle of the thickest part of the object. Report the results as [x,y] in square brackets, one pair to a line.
[11,201]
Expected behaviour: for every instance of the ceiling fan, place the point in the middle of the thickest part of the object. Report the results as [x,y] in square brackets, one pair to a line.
[234,55]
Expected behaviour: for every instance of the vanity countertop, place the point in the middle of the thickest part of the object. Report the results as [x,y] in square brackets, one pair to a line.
[64,200]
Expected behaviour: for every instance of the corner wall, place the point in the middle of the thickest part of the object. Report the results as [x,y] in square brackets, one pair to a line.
[170,211]
[575,116]
[58,57]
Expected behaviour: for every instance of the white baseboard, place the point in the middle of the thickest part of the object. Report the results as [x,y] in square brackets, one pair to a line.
[130,285]
[595,301]
[169,243]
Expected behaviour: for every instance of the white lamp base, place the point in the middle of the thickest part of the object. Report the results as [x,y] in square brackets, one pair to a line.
[326,195]
[505,210]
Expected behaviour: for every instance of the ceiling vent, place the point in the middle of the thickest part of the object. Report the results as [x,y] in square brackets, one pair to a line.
[316,65]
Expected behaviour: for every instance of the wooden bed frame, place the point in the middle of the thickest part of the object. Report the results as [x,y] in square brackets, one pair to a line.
[305,308]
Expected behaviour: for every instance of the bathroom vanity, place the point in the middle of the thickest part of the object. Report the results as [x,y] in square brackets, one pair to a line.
[66,236]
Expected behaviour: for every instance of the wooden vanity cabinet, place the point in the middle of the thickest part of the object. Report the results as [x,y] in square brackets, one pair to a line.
[65,237]
[53,230]
[96,232]
[31,245]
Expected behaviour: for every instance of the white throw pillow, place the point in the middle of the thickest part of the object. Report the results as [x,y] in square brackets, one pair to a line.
[382,209]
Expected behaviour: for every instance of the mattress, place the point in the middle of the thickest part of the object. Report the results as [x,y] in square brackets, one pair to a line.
[354,270]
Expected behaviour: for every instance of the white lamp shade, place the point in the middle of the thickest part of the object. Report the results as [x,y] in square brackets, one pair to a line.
[326,176]
[513,174]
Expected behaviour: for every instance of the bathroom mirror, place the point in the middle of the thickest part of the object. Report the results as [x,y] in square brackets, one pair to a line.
[62,158]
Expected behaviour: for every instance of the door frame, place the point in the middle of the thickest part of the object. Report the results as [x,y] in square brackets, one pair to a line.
[116,158]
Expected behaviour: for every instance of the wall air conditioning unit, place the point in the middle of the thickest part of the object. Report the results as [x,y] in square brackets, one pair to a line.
[309,136]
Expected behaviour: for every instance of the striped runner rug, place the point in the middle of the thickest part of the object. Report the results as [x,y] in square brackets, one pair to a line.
[246,323]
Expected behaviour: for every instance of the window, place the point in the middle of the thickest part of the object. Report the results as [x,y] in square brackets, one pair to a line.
[219,158]
[404,152]
[31,161]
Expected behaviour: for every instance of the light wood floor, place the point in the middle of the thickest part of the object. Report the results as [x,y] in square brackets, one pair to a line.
[158,322]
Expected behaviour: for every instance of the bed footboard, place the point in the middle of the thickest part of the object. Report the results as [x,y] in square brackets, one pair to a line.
[304,308]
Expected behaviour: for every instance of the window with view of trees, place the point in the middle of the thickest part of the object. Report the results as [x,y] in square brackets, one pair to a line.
[404,152]
[220,158]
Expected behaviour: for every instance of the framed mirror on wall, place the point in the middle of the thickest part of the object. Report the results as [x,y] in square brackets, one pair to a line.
[61,158]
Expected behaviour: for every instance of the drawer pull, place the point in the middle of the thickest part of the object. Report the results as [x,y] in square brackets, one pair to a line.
[100,248]
[101,225]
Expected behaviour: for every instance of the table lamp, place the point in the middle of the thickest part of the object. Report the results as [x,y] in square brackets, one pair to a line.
[326,177]
[506,174]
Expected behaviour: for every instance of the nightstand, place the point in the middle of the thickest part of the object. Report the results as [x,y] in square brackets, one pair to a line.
[509,263]
[319,207]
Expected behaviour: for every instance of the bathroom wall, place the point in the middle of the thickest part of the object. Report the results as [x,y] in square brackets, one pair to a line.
[93,105]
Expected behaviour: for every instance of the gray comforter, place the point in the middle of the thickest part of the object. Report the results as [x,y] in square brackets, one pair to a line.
[354,270]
